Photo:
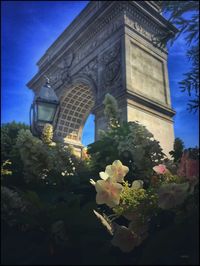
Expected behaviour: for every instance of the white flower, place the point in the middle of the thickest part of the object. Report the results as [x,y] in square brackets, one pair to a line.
[137,184]
[104,175]
[117,171]
[92,182]
[108,192]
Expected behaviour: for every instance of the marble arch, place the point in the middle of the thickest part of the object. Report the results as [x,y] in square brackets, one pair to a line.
[110,48]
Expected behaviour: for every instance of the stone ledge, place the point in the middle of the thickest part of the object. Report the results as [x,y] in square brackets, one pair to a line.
[151,104]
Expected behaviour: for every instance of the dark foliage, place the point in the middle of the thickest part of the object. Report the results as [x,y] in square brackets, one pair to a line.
[185,16]
[178,150]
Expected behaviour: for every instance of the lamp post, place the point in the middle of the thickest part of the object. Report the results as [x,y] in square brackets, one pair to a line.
[44,109]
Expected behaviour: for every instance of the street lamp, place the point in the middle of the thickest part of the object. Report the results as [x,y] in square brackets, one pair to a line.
[43,109]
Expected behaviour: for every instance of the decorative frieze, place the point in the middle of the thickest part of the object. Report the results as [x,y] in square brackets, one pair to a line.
[84,51]
[62,73]
[140,26]
[91,70]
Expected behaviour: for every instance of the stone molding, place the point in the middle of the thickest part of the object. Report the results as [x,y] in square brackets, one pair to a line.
[103,26]
[161,108]
[130,96]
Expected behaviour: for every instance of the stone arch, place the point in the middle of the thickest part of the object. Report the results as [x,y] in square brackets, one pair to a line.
[77,100]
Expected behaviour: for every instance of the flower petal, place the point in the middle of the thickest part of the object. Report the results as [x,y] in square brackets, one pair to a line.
[103,175]
[137,184]
[160,169]
[92,182]
[108,192]
[109,170]
[117,163]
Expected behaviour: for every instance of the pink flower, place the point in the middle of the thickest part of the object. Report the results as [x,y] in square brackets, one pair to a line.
[108,192]
[160,169]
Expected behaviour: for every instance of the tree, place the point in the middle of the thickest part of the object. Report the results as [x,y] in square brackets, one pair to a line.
[185,16]
[178,150]
[9,132]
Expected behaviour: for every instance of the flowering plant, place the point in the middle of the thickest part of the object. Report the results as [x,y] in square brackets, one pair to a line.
[45,161]
[139,202]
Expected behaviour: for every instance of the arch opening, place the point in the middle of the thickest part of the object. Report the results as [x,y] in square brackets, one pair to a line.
[88,134]
[76,105]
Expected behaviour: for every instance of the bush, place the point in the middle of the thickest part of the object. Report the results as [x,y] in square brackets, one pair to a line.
[178,150]
[10,157]
[9,132]
[132,144]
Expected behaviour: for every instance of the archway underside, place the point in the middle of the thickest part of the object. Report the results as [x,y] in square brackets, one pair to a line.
[75,108]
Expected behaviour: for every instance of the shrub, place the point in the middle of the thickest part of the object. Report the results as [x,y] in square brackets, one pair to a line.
[45,161]
[131,143]
[9,132]
[138,205]
[178,150]
[10,157]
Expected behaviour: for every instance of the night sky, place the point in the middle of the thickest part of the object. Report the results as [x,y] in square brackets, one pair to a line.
[30,27]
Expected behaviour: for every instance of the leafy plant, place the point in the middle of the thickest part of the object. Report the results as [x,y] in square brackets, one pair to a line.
[131,143]
[45,162]
[9,132]
[185,16]
[178,150]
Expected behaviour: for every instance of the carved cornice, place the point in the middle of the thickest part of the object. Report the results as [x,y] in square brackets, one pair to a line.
[155,5]
[79,27]
[69,32]
[83,37]
[152,16]
[104,24]
[141,24]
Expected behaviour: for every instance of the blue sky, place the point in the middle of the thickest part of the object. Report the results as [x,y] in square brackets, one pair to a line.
[30,27]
